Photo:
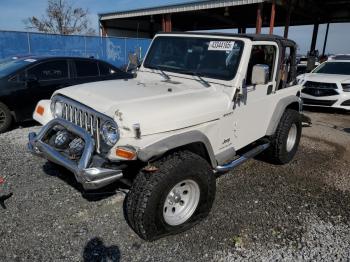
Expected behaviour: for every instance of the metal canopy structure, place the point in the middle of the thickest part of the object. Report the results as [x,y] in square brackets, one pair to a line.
[225,14]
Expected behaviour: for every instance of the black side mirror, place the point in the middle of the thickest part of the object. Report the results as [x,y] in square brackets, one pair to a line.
[31,79]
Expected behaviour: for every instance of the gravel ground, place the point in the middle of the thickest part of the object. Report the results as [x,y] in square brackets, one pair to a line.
[295,212]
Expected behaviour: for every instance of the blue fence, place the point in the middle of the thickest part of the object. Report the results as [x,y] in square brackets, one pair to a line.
[112,49]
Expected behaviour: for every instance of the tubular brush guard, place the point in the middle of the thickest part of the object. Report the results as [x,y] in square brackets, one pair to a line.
[89,177]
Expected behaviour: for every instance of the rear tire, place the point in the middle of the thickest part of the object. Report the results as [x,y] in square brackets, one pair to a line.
[172,199]
[284,143]
[5,118]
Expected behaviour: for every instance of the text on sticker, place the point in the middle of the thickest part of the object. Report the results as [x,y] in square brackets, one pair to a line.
[221,45]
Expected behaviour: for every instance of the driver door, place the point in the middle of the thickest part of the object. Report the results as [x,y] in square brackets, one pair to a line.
[253,113]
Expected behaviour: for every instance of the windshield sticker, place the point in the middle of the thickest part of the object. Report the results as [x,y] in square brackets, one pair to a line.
[30,60]
[221,45]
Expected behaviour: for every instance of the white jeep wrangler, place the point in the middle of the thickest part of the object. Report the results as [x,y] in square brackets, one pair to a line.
[201,104]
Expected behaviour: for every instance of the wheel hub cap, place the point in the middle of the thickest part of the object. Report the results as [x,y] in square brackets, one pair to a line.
[292,137]
[181,202]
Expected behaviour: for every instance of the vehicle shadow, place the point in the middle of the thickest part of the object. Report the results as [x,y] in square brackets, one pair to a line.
[54,170]
[95,250]
[25,124]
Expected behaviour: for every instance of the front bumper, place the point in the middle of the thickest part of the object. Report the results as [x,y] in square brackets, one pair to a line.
[340,101]
[89,177]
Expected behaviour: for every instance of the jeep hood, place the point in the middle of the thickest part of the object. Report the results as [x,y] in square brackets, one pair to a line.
[157,106]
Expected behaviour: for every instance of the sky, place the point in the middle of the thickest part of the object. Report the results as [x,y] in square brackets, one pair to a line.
[13,12]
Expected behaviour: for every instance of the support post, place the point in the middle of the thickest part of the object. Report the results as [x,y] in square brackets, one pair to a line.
[325,40]
[286,27]
[259,18]
[314,38]
[170,24]
[242,30]
[151,27]
[166,23]
[273,14]
[103,30]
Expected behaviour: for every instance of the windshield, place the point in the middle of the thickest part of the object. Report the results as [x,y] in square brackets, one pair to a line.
[8,66]
[336,68]
[206,57]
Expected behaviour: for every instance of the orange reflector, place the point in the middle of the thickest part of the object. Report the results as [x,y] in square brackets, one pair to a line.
[40,110]
[125,153]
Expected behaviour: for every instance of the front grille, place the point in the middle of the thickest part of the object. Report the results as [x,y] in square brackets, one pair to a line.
[83,116]
[319,91]
[318,102]
[312,84]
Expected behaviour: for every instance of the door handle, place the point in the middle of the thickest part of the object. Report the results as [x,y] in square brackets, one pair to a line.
[269,89]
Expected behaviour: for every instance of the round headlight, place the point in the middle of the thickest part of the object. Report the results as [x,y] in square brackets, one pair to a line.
[58,110]
[110,133]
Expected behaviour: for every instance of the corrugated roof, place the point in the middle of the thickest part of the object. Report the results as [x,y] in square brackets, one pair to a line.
[176,8]
[150,5]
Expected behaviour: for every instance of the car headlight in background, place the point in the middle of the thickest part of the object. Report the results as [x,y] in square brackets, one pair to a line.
[346,87]
[109,132]
[300,81]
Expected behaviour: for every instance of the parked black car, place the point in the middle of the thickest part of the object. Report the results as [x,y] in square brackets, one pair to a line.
[25,81]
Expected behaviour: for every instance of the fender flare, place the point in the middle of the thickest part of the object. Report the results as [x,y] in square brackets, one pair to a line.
[279,110]
[162,146]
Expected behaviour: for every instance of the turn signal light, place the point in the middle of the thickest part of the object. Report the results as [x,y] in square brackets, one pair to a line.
[40,110]
[125,153]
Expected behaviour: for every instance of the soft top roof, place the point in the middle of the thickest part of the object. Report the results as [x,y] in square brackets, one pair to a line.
[254,37]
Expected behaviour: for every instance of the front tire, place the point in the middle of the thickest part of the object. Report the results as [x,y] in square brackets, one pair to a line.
[172,199]
[285,142]
[5,118]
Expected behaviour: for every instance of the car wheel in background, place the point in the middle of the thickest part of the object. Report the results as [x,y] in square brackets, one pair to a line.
[5,118]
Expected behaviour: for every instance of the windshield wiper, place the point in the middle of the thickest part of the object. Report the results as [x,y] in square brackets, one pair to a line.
[195,73]
[165,75]
[202,80]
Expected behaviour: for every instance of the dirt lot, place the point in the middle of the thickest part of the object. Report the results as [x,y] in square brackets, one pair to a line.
[299,211]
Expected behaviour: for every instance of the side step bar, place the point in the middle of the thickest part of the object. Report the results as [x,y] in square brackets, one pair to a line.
[246,156]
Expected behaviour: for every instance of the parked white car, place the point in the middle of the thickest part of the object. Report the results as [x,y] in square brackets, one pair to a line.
[201,104]
[328,85]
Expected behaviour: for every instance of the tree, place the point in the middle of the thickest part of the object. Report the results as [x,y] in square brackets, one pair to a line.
[62,18]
